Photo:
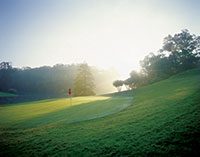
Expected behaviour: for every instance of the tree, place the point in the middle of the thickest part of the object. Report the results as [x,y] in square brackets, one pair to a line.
[179,53]
[118,84]
[128,83]
[135,79]
[84,81]
[50,81]
[6,72]
[5,65]
[156,67]
[183,49]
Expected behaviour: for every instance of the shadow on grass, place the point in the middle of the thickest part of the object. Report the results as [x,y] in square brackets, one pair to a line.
[77,113]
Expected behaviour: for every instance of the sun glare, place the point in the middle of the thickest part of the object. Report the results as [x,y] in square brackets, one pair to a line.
[114,34]
[120,39]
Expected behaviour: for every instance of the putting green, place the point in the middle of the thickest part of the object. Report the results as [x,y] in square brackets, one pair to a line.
[43,112]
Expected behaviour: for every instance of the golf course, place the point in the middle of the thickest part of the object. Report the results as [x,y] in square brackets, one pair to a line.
[99,78]
[160,119]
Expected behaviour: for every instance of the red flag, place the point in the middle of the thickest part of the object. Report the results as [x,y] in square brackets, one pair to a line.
[69,91]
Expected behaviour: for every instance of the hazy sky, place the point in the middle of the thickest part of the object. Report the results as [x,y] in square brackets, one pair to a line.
[104,33]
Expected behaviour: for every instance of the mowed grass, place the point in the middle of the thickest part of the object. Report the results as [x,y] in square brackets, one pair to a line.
[64,110]
[162,120]
[3,94]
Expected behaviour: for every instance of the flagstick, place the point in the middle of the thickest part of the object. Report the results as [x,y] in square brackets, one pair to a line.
[70,100]
[70,96]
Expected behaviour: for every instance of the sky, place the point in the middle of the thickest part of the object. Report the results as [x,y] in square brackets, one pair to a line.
[104,33]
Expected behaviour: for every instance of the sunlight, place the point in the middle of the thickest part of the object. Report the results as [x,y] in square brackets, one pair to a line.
[114,34]
[71,83]
[120,39]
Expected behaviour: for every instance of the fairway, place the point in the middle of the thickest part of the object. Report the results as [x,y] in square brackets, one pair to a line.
[161,119]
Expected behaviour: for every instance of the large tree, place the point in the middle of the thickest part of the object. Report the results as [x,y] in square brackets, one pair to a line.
[135,80]
[183,49]
[156,66]
[84,81]
[180,52]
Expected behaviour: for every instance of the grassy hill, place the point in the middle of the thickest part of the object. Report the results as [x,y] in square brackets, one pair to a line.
[161,119]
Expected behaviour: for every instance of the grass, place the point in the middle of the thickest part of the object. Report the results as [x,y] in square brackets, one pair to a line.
[161,119]
[46,112]
[3,94]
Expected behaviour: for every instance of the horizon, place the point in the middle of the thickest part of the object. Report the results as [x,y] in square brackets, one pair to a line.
[105,34]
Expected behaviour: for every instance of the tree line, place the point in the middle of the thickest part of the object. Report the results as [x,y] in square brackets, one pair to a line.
[179,53]
[55,80]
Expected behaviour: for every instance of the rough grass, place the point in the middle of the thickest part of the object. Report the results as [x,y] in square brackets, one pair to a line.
[162,120]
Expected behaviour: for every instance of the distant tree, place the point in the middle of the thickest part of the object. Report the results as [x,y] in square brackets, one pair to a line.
[5,65]
[156,67]
[134,79]
[6,72]
[118,84]
[128,83]
[84,81]
[50,81]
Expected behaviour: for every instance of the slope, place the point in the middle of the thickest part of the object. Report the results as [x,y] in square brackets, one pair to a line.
[163,120]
